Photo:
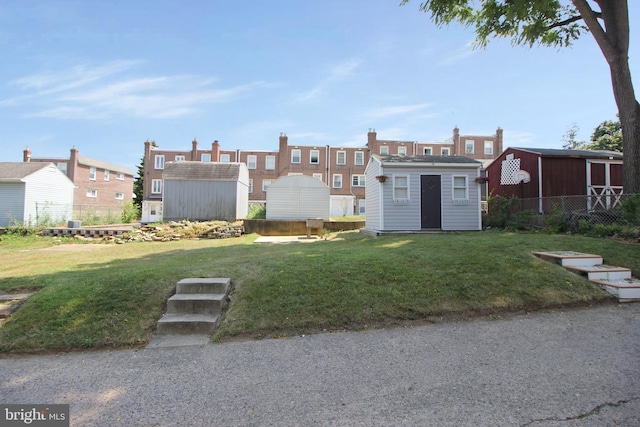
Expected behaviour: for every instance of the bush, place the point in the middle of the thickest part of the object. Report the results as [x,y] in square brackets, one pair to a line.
[130,212]
[630,208]
[257,212]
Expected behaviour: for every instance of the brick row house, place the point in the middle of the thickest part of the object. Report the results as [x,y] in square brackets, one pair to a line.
[340,168]
[99,184]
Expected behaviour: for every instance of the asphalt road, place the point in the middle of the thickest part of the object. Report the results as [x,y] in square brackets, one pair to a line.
[575,367]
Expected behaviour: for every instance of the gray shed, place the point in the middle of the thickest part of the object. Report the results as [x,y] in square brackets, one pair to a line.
[298,197]
[205,191]
[34,194]
[414,193]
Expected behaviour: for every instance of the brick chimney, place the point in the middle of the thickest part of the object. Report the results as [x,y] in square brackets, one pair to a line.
[498,142]
[194,150]
[26,155]
[457,149]
[372,136]
[215,151]
[283,152]
[73,162]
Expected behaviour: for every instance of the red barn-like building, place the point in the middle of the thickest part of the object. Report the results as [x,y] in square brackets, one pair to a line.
[539,173]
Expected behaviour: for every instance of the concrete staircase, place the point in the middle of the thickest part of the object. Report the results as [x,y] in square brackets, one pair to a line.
[615,280]
[196,307]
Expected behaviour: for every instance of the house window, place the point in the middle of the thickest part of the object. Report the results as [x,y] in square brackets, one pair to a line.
[337,180]
[357,180]
[266,183]
[318,176]
[63,167]
[402,151]
[359,158]
[427,151]
[314,157]
[159,161]
[250,185]
[119,196]
[206,158]
[384,150]
[120,176]
[252,161]
[400,187]
[225,158]
[92,174]
[180,158]
[444,152]
[468,146]
[295,156]
[341,158]
[106,175]
[270,163]
[361,206]
[156,186]
[92,193]
[460,188]
[295,173]
[488,148]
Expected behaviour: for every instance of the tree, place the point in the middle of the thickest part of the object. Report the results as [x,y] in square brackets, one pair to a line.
[569,139]
[549,23]
[607,136]
[138,183]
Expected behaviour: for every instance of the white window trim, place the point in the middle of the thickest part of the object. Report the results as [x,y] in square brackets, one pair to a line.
[266,183]
[355,158]
[92,173]
[344,157]
[317,153]
[424,151]
[333,180]
[318,176]
[384,150]
[225,158]
[396,187]
[465,187]
[180,158]
[156,186]
[488,145]
[120,176]
[266,163]
[469,143]
[92,193]
[106,175]
[299,156]
[252,161]
[250,185]
[158,162]
[402,150]
[360,180]
[119,196]
[442,150]
[206,156]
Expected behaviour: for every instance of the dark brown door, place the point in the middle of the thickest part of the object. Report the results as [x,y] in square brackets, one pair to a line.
[430,201]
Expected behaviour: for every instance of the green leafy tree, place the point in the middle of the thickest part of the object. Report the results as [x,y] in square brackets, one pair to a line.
[607,136]
[550,23]
[569,139]
[138,183]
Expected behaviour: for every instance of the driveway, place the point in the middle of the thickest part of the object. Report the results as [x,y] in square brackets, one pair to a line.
[574,367]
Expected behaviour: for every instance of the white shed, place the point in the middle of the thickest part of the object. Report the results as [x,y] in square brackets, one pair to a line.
[414,193]
[34,194]
[298,197]
[203,191]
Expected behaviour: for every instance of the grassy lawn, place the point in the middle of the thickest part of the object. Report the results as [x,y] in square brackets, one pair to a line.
[104,296]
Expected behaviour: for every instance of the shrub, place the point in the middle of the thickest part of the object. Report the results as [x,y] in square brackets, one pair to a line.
[257,212]
[130,212]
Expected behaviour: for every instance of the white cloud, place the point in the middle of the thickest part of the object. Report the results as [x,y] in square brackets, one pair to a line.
[458,55]
[336,74]
[85,92]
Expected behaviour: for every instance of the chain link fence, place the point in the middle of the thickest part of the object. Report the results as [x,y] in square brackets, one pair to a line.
[566,212]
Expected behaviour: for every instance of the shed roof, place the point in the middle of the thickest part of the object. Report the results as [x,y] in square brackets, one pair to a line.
[17,171]
[583,154]
[297,181]
[392,159]
[201,171]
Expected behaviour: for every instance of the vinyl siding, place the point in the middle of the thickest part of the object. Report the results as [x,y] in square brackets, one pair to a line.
[199,200]
[48,198]
[11,202]
[298,197]
[460,215]
[373,209]
[402,215]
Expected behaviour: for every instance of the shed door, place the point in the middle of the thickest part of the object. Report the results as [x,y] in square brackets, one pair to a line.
[430,201]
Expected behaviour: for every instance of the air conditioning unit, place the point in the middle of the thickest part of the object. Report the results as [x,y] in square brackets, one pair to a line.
[469,150]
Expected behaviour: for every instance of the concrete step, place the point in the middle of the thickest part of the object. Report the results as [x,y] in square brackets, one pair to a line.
[626,290]
[601,272]
[187,324]
[197,303]
[569,258]
[217,285]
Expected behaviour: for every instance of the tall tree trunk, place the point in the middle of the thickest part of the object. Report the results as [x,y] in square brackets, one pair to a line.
[613,40]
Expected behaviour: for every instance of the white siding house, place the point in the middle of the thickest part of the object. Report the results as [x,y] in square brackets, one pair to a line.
[414,193]
[205,191]
[298,197]
[34,194]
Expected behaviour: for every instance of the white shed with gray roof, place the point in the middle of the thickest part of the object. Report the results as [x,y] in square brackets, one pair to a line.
[34,194]
[205,191]
[415,193]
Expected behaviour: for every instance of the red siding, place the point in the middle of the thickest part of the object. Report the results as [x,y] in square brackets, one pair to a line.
[563,176]
[528,162]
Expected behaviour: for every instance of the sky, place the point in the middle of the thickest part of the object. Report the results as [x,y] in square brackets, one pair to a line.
[105,76]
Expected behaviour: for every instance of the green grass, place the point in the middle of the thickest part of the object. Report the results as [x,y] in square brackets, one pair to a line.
[107,296]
